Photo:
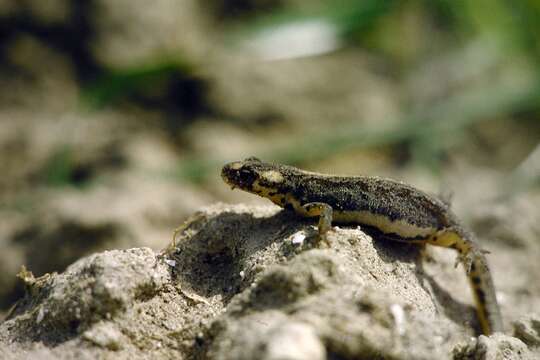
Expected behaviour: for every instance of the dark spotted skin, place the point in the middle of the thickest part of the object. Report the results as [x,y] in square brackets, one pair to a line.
[394,208]
[392,199]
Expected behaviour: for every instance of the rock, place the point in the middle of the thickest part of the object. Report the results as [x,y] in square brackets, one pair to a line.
[496,346]
[527,329]
[235,285]
[91,290]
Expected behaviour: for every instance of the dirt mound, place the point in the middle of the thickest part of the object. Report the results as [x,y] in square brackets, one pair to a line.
[251,282]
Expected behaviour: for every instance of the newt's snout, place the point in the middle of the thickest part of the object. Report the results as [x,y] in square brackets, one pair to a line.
[236,174]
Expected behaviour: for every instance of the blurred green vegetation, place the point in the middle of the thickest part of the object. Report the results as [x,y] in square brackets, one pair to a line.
[60,167]
[370,22]
[428,134]
[402,36]
[117,84]
[67,166]
[405,35]
[167,84]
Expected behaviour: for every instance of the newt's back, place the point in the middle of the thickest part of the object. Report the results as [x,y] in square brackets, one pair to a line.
[393,200]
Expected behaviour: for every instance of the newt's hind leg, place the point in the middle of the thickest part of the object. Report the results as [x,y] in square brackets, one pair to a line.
[476,266]
[325,214]
[456,239]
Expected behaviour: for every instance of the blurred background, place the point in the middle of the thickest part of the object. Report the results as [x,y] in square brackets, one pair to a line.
[116,116]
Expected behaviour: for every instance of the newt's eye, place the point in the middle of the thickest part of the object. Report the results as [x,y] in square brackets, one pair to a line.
[247,177]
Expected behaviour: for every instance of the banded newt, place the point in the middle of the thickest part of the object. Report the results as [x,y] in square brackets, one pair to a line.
[398,210]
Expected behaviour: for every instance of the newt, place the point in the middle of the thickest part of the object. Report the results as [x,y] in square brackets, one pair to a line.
[397,210]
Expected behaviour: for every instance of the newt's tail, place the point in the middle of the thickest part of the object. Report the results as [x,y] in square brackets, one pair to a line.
[483,290]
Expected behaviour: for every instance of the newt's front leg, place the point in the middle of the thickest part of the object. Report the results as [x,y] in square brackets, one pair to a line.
[325,214]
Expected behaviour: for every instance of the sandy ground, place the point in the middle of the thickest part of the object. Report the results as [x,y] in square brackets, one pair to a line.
[247,282]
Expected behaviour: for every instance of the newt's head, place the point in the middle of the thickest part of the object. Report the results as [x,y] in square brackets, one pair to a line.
[255,176]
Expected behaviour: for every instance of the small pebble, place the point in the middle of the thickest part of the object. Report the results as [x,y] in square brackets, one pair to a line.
[171,263]
[298,238]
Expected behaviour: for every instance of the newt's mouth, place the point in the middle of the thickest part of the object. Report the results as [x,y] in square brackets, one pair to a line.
[240,174]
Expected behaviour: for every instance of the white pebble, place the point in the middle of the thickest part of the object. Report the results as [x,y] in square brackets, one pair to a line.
[298,238]
[399,317]
[40,315]
[294,341]
[170,262]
